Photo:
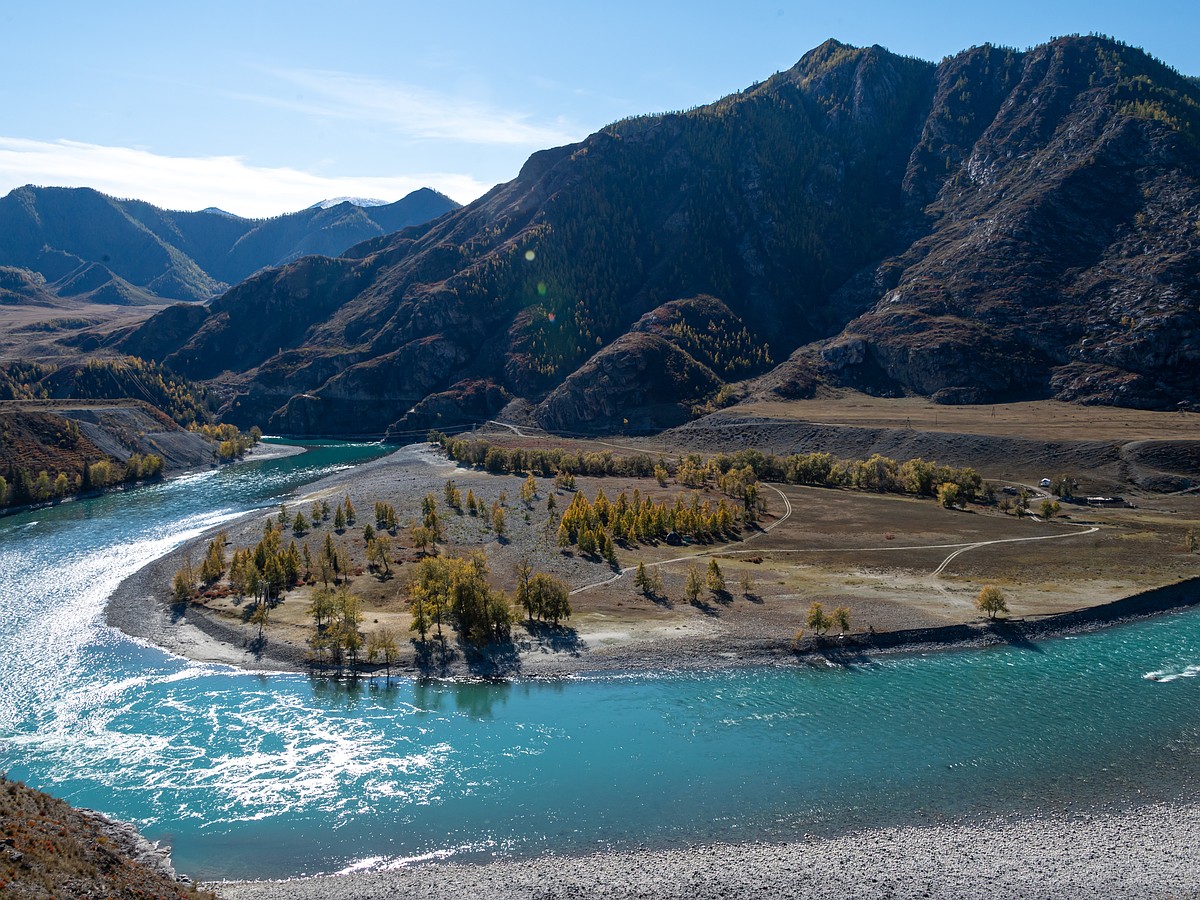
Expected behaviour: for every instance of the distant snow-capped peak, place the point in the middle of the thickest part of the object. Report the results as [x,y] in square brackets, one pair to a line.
[357,201]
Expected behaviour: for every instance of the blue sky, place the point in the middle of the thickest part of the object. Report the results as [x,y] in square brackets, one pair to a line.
[265,107]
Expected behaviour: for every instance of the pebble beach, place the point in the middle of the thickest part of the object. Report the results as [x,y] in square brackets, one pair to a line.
[1152,852]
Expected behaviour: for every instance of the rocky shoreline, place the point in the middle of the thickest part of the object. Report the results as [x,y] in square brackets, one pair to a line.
[204,637]
[1150,852]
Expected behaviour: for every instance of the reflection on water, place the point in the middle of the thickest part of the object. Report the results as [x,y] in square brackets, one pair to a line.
[270,776]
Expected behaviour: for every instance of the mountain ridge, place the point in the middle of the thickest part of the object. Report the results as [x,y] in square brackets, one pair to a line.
[1004,224]
[94,248]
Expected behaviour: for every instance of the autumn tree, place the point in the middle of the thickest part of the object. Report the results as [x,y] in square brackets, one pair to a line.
[213,566]
[321,607]
[714,579]
[458,586]
[747,583]
[543,596]
[339,635]
[422,539]
[841,618]
[429,517]
[330,555]
[553,597]
[429,593]
[818,620]
[647,581]
[381,644]
[183,585]
[947,494]
[587,542]
[693,585]
[379,553]
[260,616]
[529,491]
[420,616]
[1065,486]
[991,601]
[523,572]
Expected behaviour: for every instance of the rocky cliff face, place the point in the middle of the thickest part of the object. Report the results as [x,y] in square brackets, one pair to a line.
[1001,225]
[1061,255]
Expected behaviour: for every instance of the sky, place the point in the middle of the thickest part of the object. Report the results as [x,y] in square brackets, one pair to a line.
[261,107]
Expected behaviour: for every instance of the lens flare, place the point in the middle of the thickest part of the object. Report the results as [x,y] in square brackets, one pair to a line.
[530,255]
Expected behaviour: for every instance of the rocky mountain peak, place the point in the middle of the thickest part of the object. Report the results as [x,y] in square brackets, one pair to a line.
[1003,224]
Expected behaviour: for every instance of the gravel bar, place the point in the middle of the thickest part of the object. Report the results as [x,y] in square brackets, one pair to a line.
[1152,852]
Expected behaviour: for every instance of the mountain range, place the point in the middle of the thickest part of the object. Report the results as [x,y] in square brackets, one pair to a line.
[1002,225]
[80,245]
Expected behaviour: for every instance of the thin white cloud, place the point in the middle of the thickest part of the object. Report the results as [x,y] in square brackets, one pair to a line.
[415,112]
[176,182]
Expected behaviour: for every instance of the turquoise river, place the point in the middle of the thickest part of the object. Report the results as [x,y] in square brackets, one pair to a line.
[252,775]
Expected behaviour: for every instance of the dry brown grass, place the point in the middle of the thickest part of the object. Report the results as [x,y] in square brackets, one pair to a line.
[49,850]
[1045,419]
[874,553]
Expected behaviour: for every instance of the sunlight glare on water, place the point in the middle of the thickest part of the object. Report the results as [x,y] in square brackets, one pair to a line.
[268,776]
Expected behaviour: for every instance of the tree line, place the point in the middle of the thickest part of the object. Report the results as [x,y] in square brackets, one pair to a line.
[734,473]
[232,443]
[126,377]
[21,487]
[443,592]
[594,526]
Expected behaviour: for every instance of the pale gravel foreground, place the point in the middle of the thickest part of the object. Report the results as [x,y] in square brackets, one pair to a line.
[1150,853]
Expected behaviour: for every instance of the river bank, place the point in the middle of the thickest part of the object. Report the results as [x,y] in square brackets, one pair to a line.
[202,637]
[1143,853]
[616,638]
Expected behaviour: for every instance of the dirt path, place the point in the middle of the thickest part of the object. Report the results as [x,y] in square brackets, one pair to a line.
[958,549]
[1090,529]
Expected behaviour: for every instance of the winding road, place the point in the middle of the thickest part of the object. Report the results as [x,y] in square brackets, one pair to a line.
[958,549]
[1038,493]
